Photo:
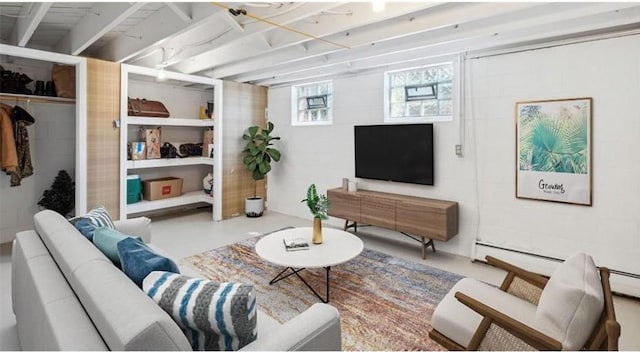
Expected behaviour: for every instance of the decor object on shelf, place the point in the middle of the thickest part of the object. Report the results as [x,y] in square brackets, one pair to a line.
[191,149]
[64,80]
[258,155]
[134,189]
[210,109]
[14,82]
[554,150]
[138,150]
[152,142]
[207,184]
[61,197]
[146,108]
[161,188]
[207,142]
[319,207]
[168,151]
[50,89]
[39,88]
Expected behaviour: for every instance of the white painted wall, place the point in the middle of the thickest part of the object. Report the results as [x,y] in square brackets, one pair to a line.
[606,70]
[52,142]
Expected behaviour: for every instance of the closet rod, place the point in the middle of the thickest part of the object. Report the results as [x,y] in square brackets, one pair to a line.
[25,98]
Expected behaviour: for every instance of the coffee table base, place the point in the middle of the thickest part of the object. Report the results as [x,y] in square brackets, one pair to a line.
[281,276]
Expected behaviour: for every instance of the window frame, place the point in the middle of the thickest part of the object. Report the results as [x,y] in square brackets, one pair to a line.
[294,104]
[455,84]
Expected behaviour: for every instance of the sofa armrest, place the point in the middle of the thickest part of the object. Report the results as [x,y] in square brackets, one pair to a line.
[315,329]
[140,226]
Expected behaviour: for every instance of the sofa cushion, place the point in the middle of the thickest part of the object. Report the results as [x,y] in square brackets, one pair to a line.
[215,316]
[123,315]
[106,239]
[95,218]
[571,302]
[458,322]
[138,260]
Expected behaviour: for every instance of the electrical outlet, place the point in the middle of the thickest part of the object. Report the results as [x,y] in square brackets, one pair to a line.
[459,149]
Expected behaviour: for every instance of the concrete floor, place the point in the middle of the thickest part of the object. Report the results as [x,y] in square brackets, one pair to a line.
[189,233]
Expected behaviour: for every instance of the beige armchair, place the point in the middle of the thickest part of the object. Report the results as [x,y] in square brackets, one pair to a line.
[572,310]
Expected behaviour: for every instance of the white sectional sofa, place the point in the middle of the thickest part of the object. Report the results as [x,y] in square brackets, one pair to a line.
[68,296]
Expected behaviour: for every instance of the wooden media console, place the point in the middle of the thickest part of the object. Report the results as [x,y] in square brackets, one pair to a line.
[425,218]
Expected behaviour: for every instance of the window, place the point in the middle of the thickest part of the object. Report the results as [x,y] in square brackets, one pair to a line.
[420,94]
[312,104]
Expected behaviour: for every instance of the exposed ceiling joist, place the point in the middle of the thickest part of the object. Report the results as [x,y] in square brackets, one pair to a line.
[30,17]
[231,20]
[240,29]
[102,18]
[182,10]
[153,30]
[534,32]
[361,14]
[448,16]
[474,31]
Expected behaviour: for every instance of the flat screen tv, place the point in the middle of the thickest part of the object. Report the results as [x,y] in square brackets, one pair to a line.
[401,153]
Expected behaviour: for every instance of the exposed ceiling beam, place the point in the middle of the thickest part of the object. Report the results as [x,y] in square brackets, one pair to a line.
[361,14]
[30,17]
[217,36]
[426,21]
[102,18]
[537,32]
[153,30]
[482,27]
[182,10]
[231,20]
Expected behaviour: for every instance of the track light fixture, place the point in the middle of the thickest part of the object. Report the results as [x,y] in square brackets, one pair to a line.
[238,12]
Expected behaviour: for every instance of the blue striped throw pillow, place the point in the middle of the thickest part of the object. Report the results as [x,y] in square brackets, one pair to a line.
[215,316]
[95,218]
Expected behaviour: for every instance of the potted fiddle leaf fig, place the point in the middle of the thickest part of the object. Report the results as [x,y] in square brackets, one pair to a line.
[257,156]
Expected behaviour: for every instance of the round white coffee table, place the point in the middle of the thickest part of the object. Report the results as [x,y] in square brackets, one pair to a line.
[337,247]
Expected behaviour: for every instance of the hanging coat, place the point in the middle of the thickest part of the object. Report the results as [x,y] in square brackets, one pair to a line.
[8,153]
[21,119]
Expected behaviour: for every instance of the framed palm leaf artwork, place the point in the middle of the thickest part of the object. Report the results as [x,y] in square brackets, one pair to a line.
[553,159]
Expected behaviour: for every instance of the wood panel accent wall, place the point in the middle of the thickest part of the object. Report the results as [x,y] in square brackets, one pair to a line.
[103,139]
[243,106]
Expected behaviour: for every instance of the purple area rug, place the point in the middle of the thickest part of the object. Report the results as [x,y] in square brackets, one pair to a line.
[385,302]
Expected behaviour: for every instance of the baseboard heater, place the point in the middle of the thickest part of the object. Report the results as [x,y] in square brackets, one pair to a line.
[622,282]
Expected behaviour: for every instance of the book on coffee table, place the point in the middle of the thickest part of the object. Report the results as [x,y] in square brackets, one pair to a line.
[295,244]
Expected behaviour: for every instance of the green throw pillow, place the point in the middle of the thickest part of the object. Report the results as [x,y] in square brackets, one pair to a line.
[107,239]
[215,316]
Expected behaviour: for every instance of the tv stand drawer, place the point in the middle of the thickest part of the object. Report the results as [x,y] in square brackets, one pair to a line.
[378,212]
[344,205]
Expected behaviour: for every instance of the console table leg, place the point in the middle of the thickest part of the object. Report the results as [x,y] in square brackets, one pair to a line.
[427,244]
[353,224]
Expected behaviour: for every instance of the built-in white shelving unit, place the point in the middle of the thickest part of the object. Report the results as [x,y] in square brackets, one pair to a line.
[183,95]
